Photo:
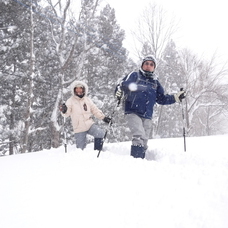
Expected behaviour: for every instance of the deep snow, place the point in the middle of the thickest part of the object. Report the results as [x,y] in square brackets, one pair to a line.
[171,188]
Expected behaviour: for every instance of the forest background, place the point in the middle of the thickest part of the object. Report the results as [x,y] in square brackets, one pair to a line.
[46,45]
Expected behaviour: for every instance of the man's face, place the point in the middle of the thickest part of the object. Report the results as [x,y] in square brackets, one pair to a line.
[148,66]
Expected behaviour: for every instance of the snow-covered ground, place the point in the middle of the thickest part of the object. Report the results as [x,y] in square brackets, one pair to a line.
[169,189]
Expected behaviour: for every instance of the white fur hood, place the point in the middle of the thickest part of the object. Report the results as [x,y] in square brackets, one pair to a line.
[75,83]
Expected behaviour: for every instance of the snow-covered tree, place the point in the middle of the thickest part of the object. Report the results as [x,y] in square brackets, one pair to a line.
[206,94]
[155,30]
[14,68]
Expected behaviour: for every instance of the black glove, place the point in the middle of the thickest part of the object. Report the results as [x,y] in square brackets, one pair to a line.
[180,95]
[107,119]
[63,108]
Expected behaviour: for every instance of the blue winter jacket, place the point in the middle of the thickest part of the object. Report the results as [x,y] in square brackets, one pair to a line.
[149,91]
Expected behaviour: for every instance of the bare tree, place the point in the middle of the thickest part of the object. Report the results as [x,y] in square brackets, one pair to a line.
[154,31]
[206,93]
[71,45]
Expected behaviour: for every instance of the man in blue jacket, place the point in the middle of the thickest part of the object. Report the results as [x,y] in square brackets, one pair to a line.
[141,90]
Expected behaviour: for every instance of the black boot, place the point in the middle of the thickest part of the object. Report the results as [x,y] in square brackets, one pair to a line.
[137,151]
[98,143]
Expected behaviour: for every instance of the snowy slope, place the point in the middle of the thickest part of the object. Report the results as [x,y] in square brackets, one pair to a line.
[171,188]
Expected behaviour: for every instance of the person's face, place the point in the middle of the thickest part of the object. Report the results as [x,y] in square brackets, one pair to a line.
[78,90]
[148,66]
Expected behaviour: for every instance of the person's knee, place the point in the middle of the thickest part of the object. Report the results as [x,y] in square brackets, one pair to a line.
[96,132]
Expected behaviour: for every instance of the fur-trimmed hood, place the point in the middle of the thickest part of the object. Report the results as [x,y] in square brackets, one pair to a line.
[76,83]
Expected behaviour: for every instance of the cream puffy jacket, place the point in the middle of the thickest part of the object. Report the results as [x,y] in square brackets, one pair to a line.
[81,110]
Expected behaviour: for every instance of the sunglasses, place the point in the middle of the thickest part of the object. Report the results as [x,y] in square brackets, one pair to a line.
[150,64]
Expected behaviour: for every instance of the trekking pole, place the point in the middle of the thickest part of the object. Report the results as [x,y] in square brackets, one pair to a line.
[110,123]
[64,132]
[184,123]
[64,123]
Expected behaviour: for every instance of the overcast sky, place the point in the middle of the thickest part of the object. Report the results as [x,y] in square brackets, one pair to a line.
[203,24]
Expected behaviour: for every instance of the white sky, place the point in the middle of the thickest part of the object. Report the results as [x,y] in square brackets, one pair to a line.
[203,24]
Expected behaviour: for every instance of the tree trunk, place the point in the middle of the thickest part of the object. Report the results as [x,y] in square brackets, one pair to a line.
[11,137]
[28,113]
[55,135]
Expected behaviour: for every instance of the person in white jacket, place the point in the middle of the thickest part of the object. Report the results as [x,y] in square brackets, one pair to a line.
[81,109]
